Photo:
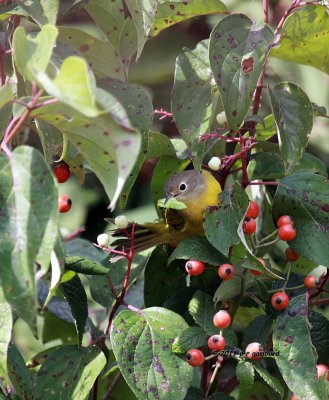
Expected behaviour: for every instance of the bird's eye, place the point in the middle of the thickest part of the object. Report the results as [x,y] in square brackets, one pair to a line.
[182,187]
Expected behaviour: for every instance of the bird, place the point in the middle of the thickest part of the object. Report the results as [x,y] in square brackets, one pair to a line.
[195,191]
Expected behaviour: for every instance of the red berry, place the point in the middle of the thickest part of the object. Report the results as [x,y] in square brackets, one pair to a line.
[290,254]
[311,281]
[194,267]
[252,351]
[64,203]
[216,342]
[284,220]
[62,172]
[222,319]
[280,300]
[253,210]
[195,357]
[287,232]
[294,397]
[321,370]
[226,272]
[249,226]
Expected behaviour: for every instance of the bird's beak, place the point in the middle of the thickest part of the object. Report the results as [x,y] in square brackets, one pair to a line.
[168,197]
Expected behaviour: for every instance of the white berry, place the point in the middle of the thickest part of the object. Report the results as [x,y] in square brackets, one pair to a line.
[121,221]
[214,163]
[221,118]
[103,239]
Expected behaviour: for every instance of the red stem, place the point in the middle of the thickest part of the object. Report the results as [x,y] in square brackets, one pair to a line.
[120,300]
[265,6]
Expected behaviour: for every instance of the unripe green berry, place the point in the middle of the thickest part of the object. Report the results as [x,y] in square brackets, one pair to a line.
[121,222]
[215,163]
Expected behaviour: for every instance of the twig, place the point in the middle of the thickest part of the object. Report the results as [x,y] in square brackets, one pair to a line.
[110,389]
[212,379]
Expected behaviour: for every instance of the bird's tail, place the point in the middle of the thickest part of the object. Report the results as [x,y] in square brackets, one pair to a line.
[145,236]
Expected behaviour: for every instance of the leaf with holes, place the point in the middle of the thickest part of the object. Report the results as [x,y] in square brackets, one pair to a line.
[141,342]
[304,38]
[293,113]
[296,356]
[6,325]
[172,12]
[305,197]
[33,53]
[89,47]
[76,297]
[69,373]
[28,199]
[143,14]
[238,49]
[221,226]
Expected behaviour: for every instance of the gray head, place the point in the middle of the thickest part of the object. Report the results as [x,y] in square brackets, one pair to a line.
[183,184]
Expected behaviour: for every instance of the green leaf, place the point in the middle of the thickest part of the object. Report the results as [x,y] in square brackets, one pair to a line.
[296,358]
[90,48]
[305,198]
[245,374]
[269,165]
[69,373]
[143,15]
[221,226]
[158,274]
[6,325]
[272,381]
[237,51]
[76,297]
[159,145]
[19,374]
[51,140]
[6,94]
[32,53]
[55,328]
[304,38]
[202,309]
[171,203]
[191,338]
[266,129]
[109,17]
[28,225]
[99,285]
[42,11]
[85,266]
[192,105]
[319,335]
[128,43]
[258,331]
[83,248]
[293,113]
[228,289]
[141,344]
[197,248]
[76,90]
[172,12]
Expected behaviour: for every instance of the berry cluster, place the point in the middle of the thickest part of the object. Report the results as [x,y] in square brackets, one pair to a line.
[249,223]
[286,230]
[222,320]
[62,173]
